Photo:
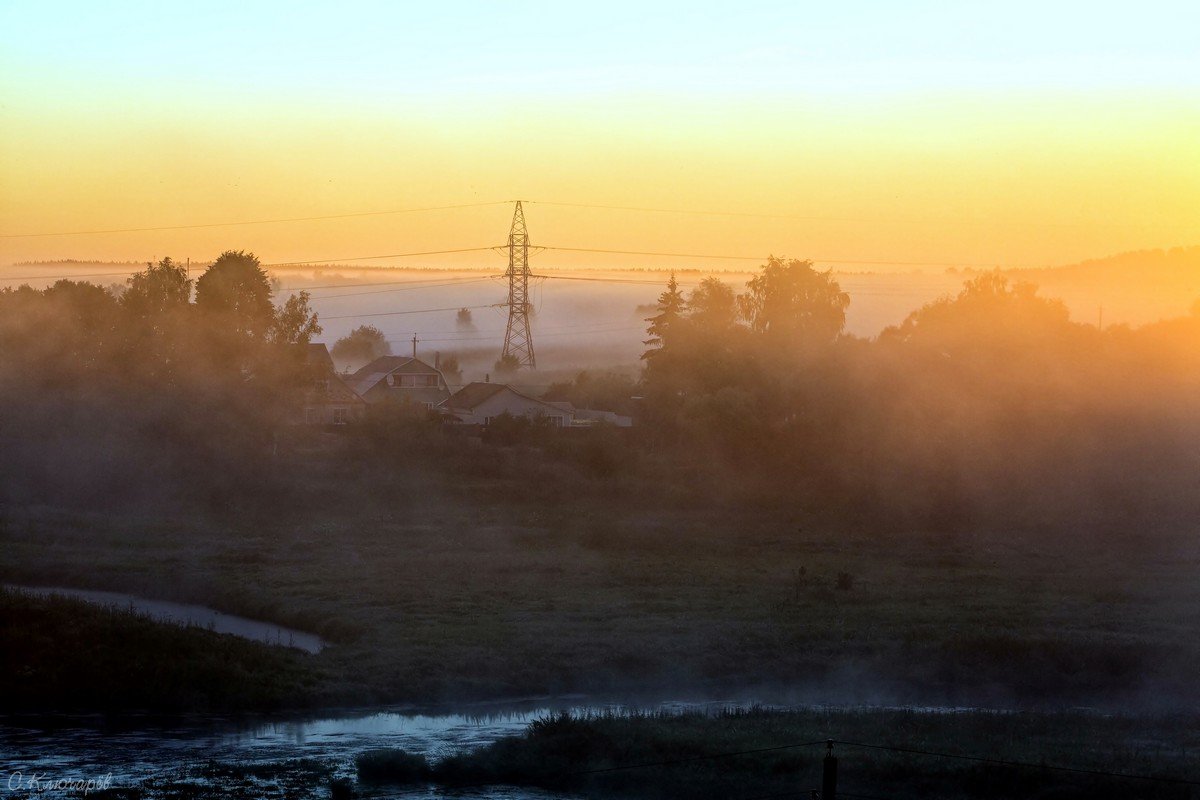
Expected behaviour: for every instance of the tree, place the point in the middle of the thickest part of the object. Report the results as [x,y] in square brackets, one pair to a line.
[987,314]
[82,322]
[464,321]
[663,324]
[362,345]
[712,306]
[607,391]
[507,365]
[794,303]
[159,288]
[295,322]
[451,370]
[236,287]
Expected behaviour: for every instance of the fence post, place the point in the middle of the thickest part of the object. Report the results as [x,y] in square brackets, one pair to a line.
[829,774]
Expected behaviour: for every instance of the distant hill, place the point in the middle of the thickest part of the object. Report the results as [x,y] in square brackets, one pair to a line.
[1136,287]
[1178,267]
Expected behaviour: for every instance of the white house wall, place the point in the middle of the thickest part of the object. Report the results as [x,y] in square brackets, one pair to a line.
[513,404]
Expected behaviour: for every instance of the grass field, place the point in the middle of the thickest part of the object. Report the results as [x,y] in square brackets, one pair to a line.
[60,655]
[450,579]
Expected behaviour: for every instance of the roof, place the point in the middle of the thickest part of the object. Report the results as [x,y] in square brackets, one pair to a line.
[368,376]
[330,389]
[472,395]
[317,354]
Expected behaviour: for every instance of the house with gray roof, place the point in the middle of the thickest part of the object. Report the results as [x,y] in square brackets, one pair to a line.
[400,379]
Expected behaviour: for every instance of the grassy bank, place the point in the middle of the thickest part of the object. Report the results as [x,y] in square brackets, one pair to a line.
[680,756]
[65,655]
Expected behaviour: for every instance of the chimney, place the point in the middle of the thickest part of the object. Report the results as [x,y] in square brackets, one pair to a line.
[487,378]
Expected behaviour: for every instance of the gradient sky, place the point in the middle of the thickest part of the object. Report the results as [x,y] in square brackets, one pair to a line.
[968,133]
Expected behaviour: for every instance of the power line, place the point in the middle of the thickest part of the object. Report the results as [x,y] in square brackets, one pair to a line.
[762,258]
[255,221]
[68,277]
[493,336]
[600,323]
[411,311]
[639,209]
[650,253]
[814,218]
[370,258]
[330,262]
[699,212]
[609,280]
[464,279]
[423,285]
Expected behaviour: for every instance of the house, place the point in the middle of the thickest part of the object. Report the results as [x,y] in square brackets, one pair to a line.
[480,403]
[325,399]
[400,379]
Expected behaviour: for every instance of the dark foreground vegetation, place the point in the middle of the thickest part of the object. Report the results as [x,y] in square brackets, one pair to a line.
[748,754]
[64,655]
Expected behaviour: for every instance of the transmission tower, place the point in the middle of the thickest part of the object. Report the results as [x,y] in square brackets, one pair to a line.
[518,342]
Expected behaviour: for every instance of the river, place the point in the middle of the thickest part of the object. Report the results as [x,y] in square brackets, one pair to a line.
[147,753]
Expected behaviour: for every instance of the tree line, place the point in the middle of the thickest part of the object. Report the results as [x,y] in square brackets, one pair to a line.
[160,386]
[988,406]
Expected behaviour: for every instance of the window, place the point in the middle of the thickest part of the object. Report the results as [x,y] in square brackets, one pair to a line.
[422,381]
[322,385]
[341,416]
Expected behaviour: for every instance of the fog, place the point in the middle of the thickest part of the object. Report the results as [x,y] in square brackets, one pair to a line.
[588,318]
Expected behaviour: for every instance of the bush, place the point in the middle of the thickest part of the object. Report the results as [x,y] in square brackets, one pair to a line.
[391,765]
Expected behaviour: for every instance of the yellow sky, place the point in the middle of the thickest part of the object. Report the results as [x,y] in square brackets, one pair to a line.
[1012,170]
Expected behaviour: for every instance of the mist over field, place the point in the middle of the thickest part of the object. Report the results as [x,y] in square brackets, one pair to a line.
[637,402]
[595,317]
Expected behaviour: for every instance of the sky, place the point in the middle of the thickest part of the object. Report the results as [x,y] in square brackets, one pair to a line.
[855,133]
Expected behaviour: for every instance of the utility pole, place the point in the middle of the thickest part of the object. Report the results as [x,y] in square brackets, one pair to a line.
[829,774]
[518,341]
[1100,320]
[414,341]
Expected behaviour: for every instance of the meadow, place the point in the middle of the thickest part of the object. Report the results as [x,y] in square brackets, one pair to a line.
[447,571]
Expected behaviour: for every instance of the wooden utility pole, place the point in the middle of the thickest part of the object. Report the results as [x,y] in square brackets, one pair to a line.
[829,774]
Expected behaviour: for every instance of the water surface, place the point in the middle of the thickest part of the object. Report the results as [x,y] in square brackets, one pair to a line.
[186,614]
